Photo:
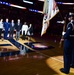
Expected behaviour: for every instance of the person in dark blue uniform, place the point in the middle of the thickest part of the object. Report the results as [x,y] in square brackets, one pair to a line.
[6,28]
[69,46]
[72,45]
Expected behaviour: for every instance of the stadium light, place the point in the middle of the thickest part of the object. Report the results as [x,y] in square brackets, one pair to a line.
[29,2]
[41,0]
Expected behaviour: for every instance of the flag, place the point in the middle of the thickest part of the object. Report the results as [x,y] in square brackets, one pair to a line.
[50,10]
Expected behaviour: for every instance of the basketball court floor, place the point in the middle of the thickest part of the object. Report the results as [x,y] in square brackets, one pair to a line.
[36,56]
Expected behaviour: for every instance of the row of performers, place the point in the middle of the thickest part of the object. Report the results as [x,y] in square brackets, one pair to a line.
[6,26]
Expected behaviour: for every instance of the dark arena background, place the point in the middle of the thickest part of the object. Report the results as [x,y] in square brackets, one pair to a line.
[36,54]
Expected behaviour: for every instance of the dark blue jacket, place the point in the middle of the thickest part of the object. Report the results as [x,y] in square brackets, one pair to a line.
[12,27]
[69,31]
[69,35]
[6,26]
[18,27]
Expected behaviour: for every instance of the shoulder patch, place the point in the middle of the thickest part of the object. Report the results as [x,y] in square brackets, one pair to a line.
[68,28]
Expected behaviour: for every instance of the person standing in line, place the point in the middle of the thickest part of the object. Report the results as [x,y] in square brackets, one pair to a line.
[6,28]
[24,30]
[18,29]
[68,45]
[1,27]
[12,27]
[30,31]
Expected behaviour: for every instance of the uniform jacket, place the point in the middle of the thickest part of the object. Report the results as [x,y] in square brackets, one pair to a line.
[6,26]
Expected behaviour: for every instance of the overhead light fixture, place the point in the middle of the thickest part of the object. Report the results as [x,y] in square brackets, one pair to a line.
[62,22]
[41,0]
[70,13]
[29,2]
[17,6]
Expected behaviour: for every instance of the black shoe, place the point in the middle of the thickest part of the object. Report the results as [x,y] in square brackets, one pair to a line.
[72,66]
[63,71]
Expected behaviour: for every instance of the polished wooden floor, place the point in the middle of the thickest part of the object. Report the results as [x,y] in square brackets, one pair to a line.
[39,62]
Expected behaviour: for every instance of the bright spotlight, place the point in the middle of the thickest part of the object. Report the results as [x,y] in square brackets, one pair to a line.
[29,2]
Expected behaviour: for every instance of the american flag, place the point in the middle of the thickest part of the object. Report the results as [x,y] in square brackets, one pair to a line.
[50,10]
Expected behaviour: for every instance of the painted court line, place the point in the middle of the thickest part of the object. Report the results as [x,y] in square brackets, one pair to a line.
[49,56]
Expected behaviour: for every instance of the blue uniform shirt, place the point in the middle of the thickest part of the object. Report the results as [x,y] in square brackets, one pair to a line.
[69,31]
[6,26]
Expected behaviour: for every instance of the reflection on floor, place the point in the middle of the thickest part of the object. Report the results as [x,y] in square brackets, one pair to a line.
[23,46]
